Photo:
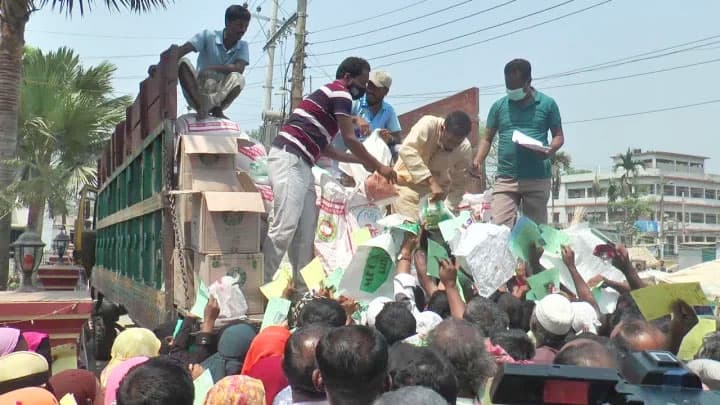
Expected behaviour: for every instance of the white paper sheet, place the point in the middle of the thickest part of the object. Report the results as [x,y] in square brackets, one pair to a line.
[528,142]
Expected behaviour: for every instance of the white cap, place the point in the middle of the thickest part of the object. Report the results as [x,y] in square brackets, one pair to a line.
[584,318]
[381,78]
[555,314]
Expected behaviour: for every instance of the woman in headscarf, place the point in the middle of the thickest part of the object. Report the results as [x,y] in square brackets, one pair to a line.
[28,396]
[117,375]
[81,384]
[21,370]
[234,343]
[8,340]
[236,390]
[13,340]
[130,343]
[264,360]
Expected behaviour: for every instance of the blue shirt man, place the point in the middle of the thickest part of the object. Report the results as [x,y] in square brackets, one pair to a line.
[217,80]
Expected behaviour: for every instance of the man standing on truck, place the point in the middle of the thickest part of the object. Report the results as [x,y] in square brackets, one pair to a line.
[433,159]
[523,175]
[306,136]
[222,58]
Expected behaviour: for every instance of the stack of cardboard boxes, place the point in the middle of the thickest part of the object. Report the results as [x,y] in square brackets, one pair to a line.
[219,210]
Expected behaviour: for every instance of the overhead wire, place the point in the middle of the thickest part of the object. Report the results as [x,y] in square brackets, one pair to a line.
[395,25]
[632,114]
[363,20]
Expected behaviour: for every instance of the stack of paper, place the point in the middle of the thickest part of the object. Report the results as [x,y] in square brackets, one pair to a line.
[528,142]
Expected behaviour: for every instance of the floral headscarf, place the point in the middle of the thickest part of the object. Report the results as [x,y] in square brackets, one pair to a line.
[236,390]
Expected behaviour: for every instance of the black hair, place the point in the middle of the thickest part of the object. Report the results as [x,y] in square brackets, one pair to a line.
[626,308]
[439,304]
[353,363]
[628,330]
[464,346]
[299,358]
[543,337]
[411,395]
[322,310]
[235,13]
[422,366]
[516,343]
[710,348]
[486,315]
[395,322]
[353,66]
[458,123]
[158,381]
[587,353]
[521,66]
[519,312]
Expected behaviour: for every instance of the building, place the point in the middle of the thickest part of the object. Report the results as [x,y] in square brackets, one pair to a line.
[676,184]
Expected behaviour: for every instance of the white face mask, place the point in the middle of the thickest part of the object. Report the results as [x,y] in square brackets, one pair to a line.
[516,94]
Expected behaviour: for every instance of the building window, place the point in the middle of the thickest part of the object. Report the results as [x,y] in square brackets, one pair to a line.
[576,193]
[681,165]
[669,190]
[681,191]
[698,239]
[697,218]
[680,216]
[643,189]
[697,193]
[710,239]
[696,165]
[710,194]
[570,218]
[665,162]
[556,217]
[648,163]
[711,218]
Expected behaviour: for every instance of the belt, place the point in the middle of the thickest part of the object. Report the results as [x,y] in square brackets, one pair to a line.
[282,143]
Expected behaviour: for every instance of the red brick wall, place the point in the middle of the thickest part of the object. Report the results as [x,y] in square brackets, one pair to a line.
[467,101]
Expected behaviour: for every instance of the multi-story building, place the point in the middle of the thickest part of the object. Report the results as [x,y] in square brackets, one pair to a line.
[675,184]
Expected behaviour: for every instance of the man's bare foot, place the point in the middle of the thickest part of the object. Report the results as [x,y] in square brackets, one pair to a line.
[217,112]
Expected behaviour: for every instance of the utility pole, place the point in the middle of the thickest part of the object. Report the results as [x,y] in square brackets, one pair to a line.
[661,231]
[271,57]
[299,55]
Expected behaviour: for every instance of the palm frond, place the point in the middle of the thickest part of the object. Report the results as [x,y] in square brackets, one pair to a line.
[138,6]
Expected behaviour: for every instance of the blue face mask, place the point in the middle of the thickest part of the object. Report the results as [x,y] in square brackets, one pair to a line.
[516,94]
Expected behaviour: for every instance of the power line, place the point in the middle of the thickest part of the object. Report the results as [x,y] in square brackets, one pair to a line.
[679,107]
[395,25]
[365,19]
[108,36]
[497,36]
[444,24]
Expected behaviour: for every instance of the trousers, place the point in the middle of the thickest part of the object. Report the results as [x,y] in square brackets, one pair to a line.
[293,218]
[215,89]
[530,196]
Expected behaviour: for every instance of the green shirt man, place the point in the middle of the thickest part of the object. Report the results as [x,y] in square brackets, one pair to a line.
[523,175]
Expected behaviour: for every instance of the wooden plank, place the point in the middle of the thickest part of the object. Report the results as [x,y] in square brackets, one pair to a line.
[146,306]
[144,207]
[135,154]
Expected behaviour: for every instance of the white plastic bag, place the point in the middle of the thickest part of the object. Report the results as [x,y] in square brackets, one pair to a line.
[377,148]
[230,298]
[483,250]
[333,236]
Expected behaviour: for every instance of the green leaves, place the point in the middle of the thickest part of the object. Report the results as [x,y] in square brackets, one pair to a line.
[69,6]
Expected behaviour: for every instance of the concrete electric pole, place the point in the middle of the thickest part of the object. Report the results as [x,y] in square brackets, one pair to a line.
[299,56]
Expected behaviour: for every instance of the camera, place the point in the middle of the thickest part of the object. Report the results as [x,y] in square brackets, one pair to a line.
[650,377]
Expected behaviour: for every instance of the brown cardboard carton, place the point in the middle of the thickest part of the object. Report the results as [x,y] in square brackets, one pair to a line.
[226,222]
[247,268]
[207,163]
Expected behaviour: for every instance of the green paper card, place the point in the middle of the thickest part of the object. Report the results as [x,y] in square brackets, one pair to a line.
[276,312]
[544,283]
[655,301]
[377,270]
[412,228]
[553,239]
[334,279]
[525,233]
[202,384]
[436,252]
[202,296]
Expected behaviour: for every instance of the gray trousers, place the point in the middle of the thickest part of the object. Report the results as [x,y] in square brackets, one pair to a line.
[293,218]
[214,88]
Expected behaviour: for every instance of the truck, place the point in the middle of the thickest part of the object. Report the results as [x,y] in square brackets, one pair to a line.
[127,244]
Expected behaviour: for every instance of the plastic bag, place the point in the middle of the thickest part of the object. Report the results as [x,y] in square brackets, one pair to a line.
[333,236]
[432,213]
[259,171]
[375,145]
[230,298]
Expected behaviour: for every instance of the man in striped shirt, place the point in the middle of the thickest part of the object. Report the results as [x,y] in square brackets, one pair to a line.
[306,136]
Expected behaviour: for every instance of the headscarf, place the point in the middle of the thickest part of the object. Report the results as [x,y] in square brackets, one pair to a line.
[236,390]
[116,376]
[269,371]
[34,339]
[8,340]
[28,396]
[585,318]
[21,370]
[130,343]
[232,348]
[81,384]
[270,342]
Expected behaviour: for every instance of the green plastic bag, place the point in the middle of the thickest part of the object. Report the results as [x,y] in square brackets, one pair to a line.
[432,213]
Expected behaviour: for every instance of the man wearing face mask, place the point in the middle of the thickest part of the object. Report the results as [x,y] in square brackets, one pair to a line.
[306,136]
[432,160]
[222,57]
[523,175]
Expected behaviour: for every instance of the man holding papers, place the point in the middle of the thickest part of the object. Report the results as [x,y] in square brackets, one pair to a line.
[522,119]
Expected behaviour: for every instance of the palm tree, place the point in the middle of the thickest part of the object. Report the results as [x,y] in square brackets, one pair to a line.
[14,15]
[61,137]
[559,164]
[630,168]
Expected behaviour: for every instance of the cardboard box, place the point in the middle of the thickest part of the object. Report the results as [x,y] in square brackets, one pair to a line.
[248,268]
[226,222]
[207,163]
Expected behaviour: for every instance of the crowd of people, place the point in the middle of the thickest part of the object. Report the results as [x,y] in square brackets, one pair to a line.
[435,343]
